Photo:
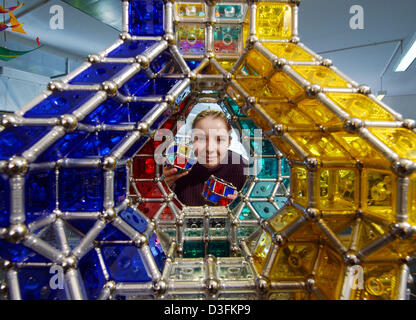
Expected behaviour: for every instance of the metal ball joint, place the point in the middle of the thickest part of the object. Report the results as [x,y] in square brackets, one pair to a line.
[69,122]
[110,87]
[16,233]
[17,166]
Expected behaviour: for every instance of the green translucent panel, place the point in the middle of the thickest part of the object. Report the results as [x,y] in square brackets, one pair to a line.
[262,190]
[193,249]
[218,232]
[194,232]
[264,209]
[267,168]
[250,128]
[264,147]
[219,248]
[284,168]
[170,232]
[246,214]
[235,203]
[245,231]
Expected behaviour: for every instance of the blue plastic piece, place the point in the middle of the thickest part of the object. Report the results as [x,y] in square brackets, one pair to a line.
[62,147]
[98,144]
[34,283]
[98,73]
[102,112]
[130,113]
[4,202]
[40,194]
[131,49]
[16,140]
[109,233]
[120,185]
[59,103]
[81,190]
[192,64]
[160,62]
[160,87]
[136,85]
[92,274]
[19,253]
[157,251]
[134,219]
[146,17]
[124,263]
[214,198]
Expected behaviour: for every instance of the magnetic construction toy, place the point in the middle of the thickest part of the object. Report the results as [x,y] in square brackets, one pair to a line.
[180,156]
[216,190]
[328,213]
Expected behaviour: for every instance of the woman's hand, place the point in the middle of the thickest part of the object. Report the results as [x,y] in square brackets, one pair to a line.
[232,196]
[171,175]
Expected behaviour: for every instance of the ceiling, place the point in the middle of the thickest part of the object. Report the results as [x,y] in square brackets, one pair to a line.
[364,55]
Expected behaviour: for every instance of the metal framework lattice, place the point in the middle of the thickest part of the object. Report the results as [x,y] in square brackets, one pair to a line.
[80,190]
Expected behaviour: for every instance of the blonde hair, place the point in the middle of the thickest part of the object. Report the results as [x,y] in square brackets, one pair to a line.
[216,114]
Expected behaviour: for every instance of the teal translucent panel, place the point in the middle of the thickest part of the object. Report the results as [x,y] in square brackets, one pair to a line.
[228,11]
[219,248]
[227,39]
[244,189]
[280,201]
[284,167]
[250,128]
[286,183]
[264,209]
[262,146]
[235,203]
[262,190]
[234,107]
[245,231]
[193,249]
[246,214]
[267,168]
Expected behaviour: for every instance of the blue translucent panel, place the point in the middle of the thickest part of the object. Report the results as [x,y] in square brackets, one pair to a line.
[34,283]
[134,219]
[262,190]
[250,128]
[135,148]
[264,209]
[157,251]
[16,140]
[131,49]
[102,113]
[98,73]
[268,168]
[59,103]
[109,233]
[40,194]
[92,274]
[81,190]
[192,64]
[246,214]
[124,263]
[120,185]
[97,144]
[132,112]
[228,191]
[4,202]
[136,85]
[160,62]
[280,201]
[62,147]
[214,198]
[146,17]
[19,253]
[284,167]
[160,86]
[263,146]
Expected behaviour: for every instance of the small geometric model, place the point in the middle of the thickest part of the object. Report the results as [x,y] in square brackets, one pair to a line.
[180,156]
[216,190]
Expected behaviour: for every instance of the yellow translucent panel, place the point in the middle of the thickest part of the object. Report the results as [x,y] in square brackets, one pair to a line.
[287,296]
[286,86]
[226,64]
[379,282]
[274,20]
[378,193]
[211,70]
[294,262]
[396,250]
[308,232]
[360,149]
[360,106]
[289,51]
[257,63]
[370,232]
[285,218]
[320,146]
[321,75]
[258,87]
[285,148]
[258,119]
[262,250]
[236,96]
[411,209]
[287,114]
[342,226]
[338,189]
[402,141]
[299,185]
[190,10]
[330,273]
[318,112]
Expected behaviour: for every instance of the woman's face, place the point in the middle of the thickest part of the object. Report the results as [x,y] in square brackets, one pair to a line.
[211,141]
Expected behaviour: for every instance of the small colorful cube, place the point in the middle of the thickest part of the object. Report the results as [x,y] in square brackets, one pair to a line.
[180,156]
[216,190]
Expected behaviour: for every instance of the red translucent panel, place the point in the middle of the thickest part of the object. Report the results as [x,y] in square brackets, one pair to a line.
[223,202]
[177,203]
[219,188]
[149,208]
[148,189]
[144,168]
[180,161]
